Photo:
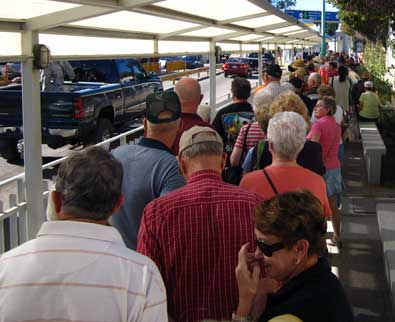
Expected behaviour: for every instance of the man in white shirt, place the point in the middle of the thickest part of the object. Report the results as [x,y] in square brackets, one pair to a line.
[78,268]
[271,77]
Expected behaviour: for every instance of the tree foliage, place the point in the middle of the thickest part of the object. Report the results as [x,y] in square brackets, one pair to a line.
[283,4]
[368,17]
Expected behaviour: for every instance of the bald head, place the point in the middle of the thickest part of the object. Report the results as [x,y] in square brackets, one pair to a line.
[189,94]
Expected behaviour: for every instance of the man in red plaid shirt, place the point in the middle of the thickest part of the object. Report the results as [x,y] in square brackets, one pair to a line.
[194,233]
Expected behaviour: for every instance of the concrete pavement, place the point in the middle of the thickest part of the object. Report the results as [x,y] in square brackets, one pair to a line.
[359,264]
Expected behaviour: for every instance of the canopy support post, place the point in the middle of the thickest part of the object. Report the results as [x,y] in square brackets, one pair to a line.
[212,77]
[31,106]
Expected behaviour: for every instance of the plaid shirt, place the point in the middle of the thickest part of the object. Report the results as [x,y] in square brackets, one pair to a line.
[194,235]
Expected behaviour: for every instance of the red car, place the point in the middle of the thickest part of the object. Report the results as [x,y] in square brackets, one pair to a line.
[237,66]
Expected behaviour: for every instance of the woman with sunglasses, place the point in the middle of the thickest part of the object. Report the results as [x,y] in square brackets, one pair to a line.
[290,238]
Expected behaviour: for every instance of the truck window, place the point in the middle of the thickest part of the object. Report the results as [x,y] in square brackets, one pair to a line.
[93,71]
[129,70]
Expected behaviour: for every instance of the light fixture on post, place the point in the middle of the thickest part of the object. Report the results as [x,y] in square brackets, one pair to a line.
[41,56]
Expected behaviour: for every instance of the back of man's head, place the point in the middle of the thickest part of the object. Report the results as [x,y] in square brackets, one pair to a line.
[201,148]
[200,140]
[241,88]
[189,93]
[163,115]
[89,183]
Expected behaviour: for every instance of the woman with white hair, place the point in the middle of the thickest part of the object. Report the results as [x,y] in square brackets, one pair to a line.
[286,136]
[251,134]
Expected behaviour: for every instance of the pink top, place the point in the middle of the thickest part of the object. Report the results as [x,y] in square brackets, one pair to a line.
[254,135]
[330,133]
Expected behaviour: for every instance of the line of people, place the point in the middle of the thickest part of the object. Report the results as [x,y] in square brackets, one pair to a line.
[151,232]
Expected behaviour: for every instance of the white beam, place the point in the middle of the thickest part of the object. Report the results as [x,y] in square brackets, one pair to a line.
[180,32]
[273,27]
[93,9]
[242,18]
[112,3]
[229,36]
[31,107]
[65,16]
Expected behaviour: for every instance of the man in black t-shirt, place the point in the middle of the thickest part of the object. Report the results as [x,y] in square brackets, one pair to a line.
[231,118]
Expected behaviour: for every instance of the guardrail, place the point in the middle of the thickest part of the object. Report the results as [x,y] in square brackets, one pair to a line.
[175,76]
[13,220]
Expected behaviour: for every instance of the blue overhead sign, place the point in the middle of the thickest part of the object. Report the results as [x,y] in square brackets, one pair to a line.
[313,15]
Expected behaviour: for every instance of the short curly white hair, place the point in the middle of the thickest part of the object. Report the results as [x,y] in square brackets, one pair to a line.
[287,133]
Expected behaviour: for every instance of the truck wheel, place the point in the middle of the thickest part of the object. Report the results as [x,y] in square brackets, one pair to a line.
[103,131]
[9,150]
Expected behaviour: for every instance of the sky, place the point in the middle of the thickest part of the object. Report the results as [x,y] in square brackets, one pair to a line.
[313,5]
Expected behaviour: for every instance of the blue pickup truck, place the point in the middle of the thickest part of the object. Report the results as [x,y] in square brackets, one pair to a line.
[104,97]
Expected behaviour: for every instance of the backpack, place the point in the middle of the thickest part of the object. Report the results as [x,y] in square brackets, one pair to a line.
[257,154]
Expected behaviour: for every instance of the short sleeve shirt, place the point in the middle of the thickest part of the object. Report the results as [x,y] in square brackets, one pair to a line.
[287,179]
[371,104]
[329,132]
[254,135]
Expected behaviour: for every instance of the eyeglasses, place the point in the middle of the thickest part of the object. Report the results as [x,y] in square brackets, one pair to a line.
[267,249]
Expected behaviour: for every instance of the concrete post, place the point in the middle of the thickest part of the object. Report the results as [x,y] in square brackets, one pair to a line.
[260,64]
[212,78]
[31,107]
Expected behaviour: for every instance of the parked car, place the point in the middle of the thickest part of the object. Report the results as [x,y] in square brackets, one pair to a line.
[193,61]
[105,96]
[267,57]
[237,66]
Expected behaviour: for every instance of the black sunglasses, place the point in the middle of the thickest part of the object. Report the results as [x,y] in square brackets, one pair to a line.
[268,249]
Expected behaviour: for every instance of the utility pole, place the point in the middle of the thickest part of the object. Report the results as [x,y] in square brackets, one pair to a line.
[323,42]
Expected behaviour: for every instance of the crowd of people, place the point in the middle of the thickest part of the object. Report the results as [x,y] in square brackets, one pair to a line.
[221,221]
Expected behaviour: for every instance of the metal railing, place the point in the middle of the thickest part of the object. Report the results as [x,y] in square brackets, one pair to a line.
[13,220]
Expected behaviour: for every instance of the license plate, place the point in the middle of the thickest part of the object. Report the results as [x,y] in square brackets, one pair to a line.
[234,67]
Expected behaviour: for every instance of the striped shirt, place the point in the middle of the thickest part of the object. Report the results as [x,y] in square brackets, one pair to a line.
[75,271]
[194,235]
[254,135]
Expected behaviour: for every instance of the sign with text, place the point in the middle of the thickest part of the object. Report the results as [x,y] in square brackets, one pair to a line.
[314,16]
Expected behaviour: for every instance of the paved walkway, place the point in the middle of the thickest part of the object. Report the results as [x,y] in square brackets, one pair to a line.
[359,264]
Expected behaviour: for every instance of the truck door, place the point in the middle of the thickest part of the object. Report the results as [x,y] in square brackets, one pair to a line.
[130,87]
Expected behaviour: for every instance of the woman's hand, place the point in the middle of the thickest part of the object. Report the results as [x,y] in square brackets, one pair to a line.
[247,281]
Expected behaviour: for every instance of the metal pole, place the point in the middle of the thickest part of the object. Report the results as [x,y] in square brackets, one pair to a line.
[323,42]
[212,77]
[31,105]
[260,64]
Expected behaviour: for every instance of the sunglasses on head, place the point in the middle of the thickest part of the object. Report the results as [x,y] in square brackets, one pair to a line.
[268,249]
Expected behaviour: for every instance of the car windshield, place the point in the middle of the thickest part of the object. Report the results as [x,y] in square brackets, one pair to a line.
[233,60]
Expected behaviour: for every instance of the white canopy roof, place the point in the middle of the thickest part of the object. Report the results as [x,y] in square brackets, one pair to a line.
[101,28]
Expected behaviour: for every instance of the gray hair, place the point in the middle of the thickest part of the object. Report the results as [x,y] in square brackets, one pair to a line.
[262,103]
[203,148]
[316,77]
[287,132]
[90,183]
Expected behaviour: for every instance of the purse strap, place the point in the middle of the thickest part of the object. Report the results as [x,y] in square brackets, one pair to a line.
[270,182]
